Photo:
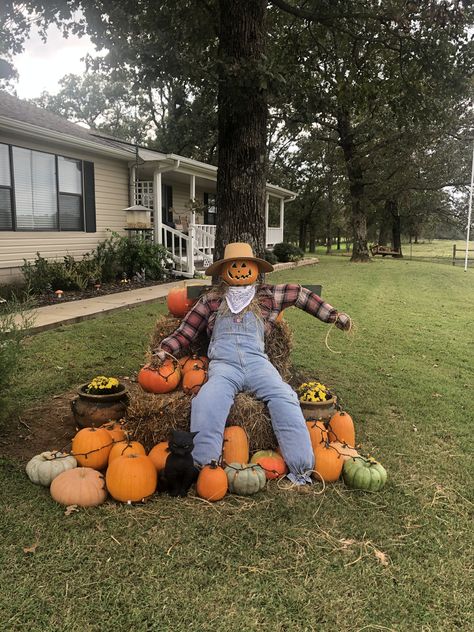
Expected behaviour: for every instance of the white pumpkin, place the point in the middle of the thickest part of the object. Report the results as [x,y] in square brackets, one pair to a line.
[43,468]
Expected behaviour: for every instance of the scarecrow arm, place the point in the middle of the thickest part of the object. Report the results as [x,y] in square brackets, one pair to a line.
[192,324]
[296,295]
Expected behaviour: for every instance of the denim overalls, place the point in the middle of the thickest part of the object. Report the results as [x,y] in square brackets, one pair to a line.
[238,363]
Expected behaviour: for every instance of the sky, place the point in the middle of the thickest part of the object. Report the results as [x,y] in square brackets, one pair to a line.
[41,65]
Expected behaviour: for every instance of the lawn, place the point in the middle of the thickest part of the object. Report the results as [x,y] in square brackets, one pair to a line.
[339,560]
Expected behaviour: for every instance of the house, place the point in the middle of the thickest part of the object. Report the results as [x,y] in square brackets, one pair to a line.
[62,187]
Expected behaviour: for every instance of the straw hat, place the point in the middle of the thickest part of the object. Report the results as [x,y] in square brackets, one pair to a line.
[236,252]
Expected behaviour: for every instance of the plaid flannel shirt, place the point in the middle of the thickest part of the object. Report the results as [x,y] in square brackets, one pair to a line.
[272,300]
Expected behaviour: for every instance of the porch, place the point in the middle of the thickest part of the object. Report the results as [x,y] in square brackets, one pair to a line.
[186,195]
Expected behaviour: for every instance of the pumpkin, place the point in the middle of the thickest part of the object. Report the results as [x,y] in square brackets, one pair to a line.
[341,428]
[125,447]
[178,302]
[245,479]
[193,380]
[43,468]
[212,482]
[239,272]
[328,463]
[158,454]
[318,432]
[271,462]
[163,379]
[131,478]
[116,430]
[91,447]
[186,363]
[236,445]
[366,474]
[80,486]
[344,450]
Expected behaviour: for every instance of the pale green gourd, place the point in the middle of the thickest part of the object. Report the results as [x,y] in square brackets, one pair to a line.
[43,468]
[366,474]
[245,479]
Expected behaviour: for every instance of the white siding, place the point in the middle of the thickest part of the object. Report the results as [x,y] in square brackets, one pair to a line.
[112,196]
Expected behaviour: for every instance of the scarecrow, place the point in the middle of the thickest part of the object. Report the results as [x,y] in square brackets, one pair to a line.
[236,314]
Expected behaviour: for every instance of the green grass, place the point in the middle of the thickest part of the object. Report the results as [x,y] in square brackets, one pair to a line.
[280,560]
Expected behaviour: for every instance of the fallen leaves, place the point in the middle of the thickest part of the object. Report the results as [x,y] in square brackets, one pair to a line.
[70,509]
[31,549]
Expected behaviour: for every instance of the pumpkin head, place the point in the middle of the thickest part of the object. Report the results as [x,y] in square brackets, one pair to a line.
[187,363]
[341,428]
[131,478]
[125,447]
[193,380]
[245,479]
[212,482]
[235,448]
[162,379]
[328,463]
[272,463]
[80,486]
[178,302]
[239,272]
[116,430]
[91,447]
[158,454]
[43,468]
[366,474]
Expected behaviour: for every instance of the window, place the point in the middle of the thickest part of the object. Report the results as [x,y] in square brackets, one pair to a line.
[41,191]
[167,204]
[210,208]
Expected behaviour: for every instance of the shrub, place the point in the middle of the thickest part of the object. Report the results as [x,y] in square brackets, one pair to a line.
[287,252]
[15,319]
[142,256]
[270,257]
[43,274]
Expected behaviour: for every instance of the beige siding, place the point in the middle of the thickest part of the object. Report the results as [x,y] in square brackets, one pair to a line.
[181,200]
[112,196]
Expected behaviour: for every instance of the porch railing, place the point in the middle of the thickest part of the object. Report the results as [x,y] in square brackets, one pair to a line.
[274,235]
[205,236]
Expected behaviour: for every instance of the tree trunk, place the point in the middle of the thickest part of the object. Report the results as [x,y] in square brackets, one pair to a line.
[312,238]
[338,238]
[360,250]
[329,218]
[242,125]
[302,233]
[391,207]
[385,227]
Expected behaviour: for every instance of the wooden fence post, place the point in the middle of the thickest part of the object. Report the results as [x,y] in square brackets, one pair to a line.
[454,254]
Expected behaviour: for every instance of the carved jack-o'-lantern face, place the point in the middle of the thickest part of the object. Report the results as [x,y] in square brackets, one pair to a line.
[240,272]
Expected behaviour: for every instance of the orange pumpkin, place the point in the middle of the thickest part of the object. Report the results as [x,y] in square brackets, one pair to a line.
[80,486]
[279,318]
[158,454]
[193,380]
[341,428]
[163,379]
[212,483]
[344,450]
[328,463]
[131,478]
[187,363]
[122,448]
[178,302]
[91,447]
[116,430]
[236,445]
[271,462]
[318,433]
[239,272]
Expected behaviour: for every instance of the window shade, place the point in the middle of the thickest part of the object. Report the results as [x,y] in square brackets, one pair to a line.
[35,190]
[70,175]
[5,178]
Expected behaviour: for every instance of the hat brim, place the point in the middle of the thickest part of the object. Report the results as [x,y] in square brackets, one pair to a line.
[214,268]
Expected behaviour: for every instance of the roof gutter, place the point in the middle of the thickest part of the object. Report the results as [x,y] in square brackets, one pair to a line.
[43,133]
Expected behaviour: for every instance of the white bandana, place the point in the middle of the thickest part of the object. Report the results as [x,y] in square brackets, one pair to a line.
[239,297]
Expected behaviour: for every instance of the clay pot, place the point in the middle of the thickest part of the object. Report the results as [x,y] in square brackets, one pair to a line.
[94,410]
[319,410]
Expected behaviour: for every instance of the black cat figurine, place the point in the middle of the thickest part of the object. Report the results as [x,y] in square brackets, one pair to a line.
[179,472]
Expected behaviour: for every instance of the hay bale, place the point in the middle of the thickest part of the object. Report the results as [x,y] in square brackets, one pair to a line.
[151,417]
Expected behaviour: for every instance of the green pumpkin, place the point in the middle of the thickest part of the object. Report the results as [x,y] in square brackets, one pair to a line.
[367,474]
[245,479]
[43,468]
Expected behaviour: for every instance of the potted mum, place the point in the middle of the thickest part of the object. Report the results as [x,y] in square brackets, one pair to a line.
[101,400]
[316,401]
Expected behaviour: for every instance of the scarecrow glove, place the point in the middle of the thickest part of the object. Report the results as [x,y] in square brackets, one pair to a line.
[343,321]
[160,354]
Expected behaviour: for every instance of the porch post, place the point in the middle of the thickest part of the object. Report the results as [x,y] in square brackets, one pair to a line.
[267,203]
[132,191]
[157,203]
[282,215]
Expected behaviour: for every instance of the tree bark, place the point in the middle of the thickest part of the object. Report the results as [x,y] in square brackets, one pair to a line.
[302,233]
[360,250]
[396,227]
[242,125]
